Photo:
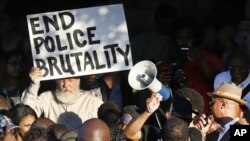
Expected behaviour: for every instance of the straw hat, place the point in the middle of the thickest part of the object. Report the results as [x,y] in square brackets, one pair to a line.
[229,91]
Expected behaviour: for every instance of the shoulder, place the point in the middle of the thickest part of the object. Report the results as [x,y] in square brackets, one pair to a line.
[46,96]
[89,97]
[223,74]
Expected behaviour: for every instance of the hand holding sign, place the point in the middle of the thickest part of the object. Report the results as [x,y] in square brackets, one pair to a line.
[36,75]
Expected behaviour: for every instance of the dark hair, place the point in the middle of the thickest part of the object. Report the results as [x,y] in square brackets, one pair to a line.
[19,111]
[195,134]
[107,106]
[110,113]
[116,134]
[175,129]
[58,130]
[40,134]
[37,134]
[42,122]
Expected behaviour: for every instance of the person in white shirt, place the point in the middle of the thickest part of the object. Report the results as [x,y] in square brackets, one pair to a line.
[226,107]
[67,104]
[238,74]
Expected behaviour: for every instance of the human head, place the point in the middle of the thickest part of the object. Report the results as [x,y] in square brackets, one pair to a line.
[226,101]
[175,129]
[42,123]
[23,116]
[68,84]
[68,90]
[242,33]
[14,64]
[186,32]
[58,130]
[195,134]
[224,39]
[238,66]
[109,112]
[94,129]
[39,134]
[128,113]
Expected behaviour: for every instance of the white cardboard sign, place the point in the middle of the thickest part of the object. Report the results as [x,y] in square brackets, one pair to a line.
[80,41]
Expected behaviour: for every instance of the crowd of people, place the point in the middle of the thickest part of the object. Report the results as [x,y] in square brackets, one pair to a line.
[207,70]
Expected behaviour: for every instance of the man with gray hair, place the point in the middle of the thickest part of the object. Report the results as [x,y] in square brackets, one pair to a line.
[67,105]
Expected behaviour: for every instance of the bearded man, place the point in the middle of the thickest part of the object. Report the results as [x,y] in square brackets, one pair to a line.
[68,104]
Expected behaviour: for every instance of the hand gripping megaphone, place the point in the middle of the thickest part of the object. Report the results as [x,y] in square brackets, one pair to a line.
[143,75]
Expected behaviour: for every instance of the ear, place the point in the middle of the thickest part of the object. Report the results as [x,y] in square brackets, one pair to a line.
[223,103]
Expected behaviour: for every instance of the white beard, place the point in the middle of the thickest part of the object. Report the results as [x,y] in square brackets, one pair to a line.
[67,97]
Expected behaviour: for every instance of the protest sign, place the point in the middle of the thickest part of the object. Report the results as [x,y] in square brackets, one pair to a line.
[80,41]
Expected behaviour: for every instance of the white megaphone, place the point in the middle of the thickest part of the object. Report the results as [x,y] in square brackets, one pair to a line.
[143,75]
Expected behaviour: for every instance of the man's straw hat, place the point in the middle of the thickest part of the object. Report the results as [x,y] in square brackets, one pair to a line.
[229,91]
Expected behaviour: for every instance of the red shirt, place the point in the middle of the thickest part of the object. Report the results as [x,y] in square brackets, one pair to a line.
[196,78]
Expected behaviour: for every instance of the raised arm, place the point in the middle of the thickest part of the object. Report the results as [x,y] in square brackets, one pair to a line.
[133,129]
[30,95]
